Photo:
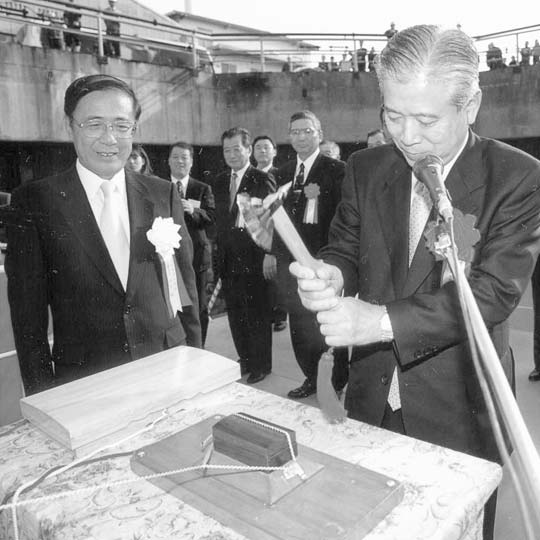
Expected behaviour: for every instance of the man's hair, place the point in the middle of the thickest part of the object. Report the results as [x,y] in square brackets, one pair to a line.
[95,83]
[306,115]
[264,138]
[333,145]
[245,135]
[376,132]
[183,145]
[444,55]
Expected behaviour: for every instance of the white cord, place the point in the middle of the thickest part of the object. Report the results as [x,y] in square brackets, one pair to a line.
[15,500]
[15,503]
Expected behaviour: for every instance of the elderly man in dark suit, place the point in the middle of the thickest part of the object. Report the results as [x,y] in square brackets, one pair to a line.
[240,260]
[313,190]
[77,244]
[199,213]
[411,369]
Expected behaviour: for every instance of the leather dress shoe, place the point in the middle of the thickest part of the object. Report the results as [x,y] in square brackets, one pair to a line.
[279,326]
[534,375]
[256,377]
[307,389]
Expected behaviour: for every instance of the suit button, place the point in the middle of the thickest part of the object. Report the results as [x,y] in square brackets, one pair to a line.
[125,347]
[384,379]
[127,309]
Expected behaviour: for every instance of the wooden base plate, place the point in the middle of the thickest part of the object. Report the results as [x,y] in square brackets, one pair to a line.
[337,501]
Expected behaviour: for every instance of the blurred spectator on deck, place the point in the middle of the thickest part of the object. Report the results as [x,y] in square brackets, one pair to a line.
[112,28]
[345,64]
[536,52]
[371,59]
[323,64]
[361,54]
[526,55]
[333,65]
[494,57]
[330,149]
[391,32]
[72,19]
[53,34]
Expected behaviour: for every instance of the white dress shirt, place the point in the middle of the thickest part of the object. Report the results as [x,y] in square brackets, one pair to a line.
[91,183]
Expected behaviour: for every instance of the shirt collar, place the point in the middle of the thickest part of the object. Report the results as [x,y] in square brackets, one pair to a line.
[240,173]
[448,167]
[184,181]
[308,162]
[267,168]
[92,182]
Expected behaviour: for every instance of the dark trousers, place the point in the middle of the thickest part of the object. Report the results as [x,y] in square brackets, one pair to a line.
[249,314]
[535,282]
[201,280]
[279,313]
[308,345]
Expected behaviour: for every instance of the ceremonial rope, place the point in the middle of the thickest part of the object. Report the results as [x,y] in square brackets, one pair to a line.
[15,503]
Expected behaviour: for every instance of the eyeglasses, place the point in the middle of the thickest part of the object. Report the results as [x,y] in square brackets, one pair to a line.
[93,129]
[297,132]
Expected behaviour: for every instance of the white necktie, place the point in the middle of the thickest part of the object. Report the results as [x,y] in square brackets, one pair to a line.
[420,209]
[113,233]
[232,190]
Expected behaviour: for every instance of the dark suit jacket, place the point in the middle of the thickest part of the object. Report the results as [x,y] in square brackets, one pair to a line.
[56,257]
[441,398]
[328,174]
[237,253]
[197,223]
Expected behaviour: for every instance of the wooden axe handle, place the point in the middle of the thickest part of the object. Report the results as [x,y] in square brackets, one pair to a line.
[286,229]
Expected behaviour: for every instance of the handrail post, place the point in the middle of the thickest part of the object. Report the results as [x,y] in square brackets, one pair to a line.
[100,35]
[194,51]
[262,55]
[355,56]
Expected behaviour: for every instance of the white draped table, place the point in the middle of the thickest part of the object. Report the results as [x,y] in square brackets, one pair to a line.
[444,490]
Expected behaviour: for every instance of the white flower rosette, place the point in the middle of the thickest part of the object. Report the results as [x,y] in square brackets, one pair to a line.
[164,236]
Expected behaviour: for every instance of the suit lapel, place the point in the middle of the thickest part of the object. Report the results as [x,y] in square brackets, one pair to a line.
[393,209]
[141,213]
[74,206]
[191,190]
[466,177]
[463,179]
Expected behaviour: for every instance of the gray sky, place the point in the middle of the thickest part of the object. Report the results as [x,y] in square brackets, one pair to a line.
[476,17]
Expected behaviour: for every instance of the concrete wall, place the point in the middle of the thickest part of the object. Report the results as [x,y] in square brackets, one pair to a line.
[179,106]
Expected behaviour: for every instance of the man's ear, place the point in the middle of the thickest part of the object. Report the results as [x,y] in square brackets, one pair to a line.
[473,106]
[67,125]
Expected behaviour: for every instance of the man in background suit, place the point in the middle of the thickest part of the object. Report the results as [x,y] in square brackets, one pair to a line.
[199,214]
[264,152]
[240,260]
[411,369]
[311,201]
[77,244]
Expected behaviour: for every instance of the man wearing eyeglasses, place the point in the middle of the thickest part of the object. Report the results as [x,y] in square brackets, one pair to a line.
[77,245]
[314,190]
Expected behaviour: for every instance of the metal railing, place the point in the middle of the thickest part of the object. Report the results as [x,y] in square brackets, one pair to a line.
[35,12]
[300,50]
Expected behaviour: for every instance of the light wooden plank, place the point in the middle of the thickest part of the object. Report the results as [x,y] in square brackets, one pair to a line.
[84,414]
